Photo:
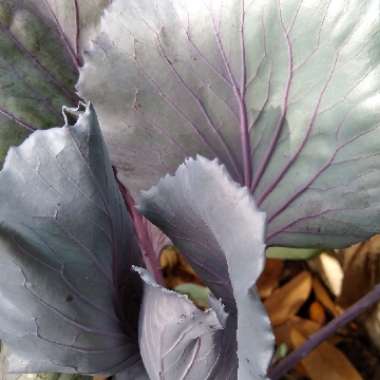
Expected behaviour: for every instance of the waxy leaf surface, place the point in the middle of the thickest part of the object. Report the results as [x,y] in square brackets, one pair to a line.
[284,92]
[218,228]
[36,75]
[77,21]
[66,244]
[178,340]
[41,42]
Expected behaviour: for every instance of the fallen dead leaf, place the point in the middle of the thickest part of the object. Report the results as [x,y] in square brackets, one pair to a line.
[305,326]
[317,313]
[372,325]
[169,258]
[324,298]
[270,277]
[361,266]
[175,268]
[326,362]
[330,270]
[285,301]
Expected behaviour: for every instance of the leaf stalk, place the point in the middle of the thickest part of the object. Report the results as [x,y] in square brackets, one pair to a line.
[150,257]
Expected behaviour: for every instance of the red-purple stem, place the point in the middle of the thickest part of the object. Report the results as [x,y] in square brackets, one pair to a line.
[38,64]
[17,120]
[281,121]
[150,257]
[77,36]
[239,92]
[66,42]
[285,365]
[244,131]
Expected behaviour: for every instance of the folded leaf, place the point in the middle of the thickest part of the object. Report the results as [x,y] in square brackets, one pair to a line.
[216,225]
[189,341]
[284,93]
[325,362]
[67,296]
[285,302]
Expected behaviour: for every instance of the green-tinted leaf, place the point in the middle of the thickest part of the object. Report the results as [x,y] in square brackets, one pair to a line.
[198,294]
[291,253]
[36,75]
[76,20]
[67,294]
[281,351]
[285,93]
[216,225]
[40,46]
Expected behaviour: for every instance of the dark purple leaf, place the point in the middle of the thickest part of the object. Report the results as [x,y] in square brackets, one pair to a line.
[68,299]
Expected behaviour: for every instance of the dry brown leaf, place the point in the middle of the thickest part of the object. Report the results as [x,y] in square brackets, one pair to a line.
[372,324]
[324,298]
[305,326]
[185,265]
[300,370]
[169,258]
[330,271]
[336,339]
[317,313]
[326,362]
[361,265]
[176,270]
[270,277]
[374,243]
[285,301]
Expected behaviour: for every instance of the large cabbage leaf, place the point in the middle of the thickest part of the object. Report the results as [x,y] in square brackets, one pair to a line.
[284,92]
[68,299]
[217,226]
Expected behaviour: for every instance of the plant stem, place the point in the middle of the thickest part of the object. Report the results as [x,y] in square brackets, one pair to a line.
[65,40]
[149,255]
[279,370]
[18,121]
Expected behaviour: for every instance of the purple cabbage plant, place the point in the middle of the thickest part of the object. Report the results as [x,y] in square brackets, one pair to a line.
[232,125]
